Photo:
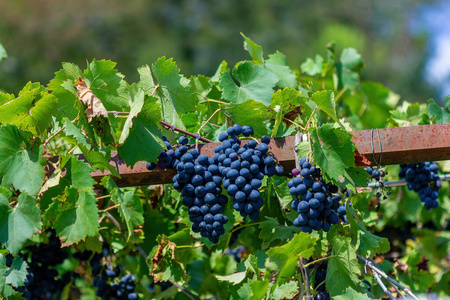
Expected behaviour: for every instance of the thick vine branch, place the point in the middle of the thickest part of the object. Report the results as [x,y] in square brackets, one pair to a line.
[196,136]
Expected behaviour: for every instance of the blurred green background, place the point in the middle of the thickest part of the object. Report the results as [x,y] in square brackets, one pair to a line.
[392,36]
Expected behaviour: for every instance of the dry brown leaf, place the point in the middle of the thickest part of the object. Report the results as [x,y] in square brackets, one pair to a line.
[95,107]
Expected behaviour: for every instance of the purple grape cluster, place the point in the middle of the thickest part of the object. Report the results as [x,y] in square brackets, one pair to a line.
[319,283]
[199,182]
[317,202]
[423,178]
[243,168]
[170,157]
[123,290]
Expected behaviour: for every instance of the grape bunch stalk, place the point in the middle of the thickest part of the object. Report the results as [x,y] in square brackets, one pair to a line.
[423,178]
[316,201]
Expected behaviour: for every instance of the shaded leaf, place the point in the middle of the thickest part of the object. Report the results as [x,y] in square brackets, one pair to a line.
[271,230]
[21,163]
[17,273]
[277,63]
[130,207]
[254,290]
[442,115]
[146,134]
[312,67]
[18,224]
[368,244]
[342,264]
[325,101]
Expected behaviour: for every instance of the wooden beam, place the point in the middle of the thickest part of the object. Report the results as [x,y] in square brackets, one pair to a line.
[388,146]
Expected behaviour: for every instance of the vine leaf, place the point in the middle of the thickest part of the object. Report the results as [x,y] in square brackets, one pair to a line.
[17,273]
[271,230]
[75,215]
[21,164]
[145,133]
[335,154]
[6,290]
[130,207]
[234,278]
[253,290]
[325,101]
[277,63]
[351,294]
[2,52]
[78,174]
[285,291]
[171,89]
[248,112]
[107,84]
[254,49]
[95,107]
[31,110]
[312,67]
[285,258]
[164,265]
[348,68]
[95,158]
[342,264]
[412,269]
[248,81]
[442,115]
[368,244]
[136,103]
[18,224]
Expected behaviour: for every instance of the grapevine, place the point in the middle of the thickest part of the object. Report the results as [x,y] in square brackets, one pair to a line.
[204,208]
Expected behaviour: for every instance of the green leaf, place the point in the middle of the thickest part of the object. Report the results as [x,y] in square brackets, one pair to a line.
[78,174]
[351,294]
[248,113]
[172,90]
[335,154]
[31,110]
[342,264]
[289,101]
[271,230]
[254,290]
[285,258]
[368,244]
[136,104]
[21,164]
[18,224]
[312,67]
[277,63]
[146,134]
[285,291]
[325,101]
[130,207]
[17,273]
[418,279]
[348,68]
[62,88]
[201,86]
[2,52]
[107,84]
[76,215]
[6,290]
[442,115]
[233,278]
[249,81]
[409,115]
[254,49]
[222,68]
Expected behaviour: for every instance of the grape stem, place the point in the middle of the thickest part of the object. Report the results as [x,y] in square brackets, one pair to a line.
[377,272]
[171,127]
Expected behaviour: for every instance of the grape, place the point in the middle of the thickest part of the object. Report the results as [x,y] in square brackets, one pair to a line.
[243,169]
[423,178]
[319,285]
[315,200]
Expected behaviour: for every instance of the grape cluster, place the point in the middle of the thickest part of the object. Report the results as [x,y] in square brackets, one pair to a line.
[375,173]
[243,168]
[199,181]
[319,282]
[123,290]
[170,157]
[423,178]
[317,202]
[42,281]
